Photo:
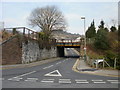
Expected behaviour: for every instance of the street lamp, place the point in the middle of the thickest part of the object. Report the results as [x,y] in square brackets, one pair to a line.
[84,36]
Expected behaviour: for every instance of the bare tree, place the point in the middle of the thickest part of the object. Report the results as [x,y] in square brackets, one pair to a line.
[47,19]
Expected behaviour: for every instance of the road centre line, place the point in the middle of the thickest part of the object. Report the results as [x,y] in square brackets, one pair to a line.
[25,74]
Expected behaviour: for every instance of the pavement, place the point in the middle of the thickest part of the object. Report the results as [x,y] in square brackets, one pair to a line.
[82,67]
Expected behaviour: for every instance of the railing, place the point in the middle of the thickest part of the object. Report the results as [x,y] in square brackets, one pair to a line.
[23,31]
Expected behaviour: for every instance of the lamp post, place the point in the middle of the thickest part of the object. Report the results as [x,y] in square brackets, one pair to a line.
[84,36]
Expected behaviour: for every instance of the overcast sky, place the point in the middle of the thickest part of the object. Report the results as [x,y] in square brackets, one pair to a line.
[15,14]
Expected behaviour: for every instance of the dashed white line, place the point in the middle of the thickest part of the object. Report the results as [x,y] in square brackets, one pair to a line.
[48,67]
[64,81]
[32,79]
[82,82]
[115,82]
[47,81]
[99,82]
[112,80]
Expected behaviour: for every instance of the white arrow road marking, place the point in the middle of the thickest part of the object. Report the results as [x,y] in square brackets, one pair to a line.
[52,73]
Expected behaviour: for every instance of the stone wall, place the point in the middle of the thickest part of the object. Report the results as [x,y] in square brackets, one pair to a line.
[31,52]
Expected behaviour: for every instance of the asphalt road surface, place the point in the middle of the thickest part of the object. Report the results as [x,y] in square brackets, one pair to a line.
[57,74]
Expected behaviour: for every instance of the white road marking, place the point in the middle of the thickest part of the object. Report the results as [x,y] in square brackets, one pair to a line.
[82,82]
[47,81]
[52,73]
[32,78]
[25,74]
[15,79]
[48,67]
[113,80]
[99,82]
[64,81]
[58,63]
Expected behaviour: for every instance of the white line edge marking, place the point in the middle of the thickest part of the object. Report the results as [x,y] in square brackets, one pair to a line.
[25,74]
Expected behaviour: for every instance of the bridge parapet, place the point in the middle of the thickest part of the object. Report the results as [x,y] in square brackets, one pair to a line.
[68,43]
